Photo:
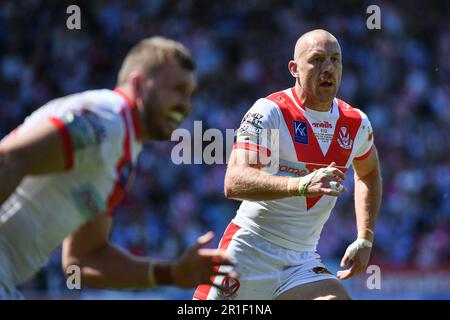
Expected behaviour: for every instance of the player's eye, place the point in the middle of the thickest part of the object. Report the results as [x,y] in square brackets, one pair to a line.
[317,59]
[184,90]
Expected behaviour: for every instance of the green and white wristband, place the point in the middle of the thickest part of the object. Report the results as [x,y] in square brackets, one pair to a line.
[303,183]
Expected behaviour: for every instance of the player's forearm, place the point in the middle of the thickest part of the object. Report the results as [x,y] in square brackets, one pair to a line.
[113,267]
[368,193]
[247,183]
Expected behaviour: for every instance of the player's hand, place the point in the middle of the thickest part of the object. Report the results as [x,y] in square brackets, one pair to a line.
[358,253]
[199,266]
[327,181]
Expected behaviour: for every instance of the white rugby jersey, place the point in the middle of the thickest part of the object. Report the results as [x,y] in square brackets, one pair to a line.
[100,132]
[308,140]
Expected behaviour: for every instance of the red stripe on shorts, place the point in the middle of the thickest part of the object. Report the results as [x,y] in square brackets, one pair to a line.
[203,290]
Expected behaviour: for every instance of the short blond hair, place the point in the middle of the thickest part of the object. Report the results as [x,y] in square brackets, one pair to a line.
[152,53]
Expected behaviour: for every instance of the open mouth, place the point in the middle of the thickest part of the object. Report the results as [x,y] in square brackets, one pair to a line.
[326,83]
[175,116]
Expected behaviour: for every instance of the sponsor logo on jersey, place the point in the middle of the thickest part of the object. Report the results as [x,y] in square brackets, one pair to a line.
[292,170]
[344,140]
[300,132]
[85,128]
[254,119]
[249,128]
[345,105]
[324,125]
[230,287]
[280,99]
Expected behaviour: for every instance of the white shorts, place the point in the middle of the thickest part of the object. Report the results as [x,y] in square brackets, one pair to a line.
[265,270]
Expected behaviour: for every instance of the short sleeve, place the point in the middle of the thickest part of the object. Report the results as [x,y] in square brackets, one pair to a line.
[256,129]
[366,138]
[83,133]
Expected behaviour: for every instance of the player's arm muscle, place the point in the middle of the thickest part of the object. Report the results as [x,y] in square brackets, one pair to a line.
[102,263]
[106,265]
[368,192]
[246,181]
[40,150]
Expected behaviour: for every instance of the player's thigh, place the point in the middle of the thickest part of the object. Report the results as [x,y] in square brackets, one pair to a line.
[256,268]
[328,289]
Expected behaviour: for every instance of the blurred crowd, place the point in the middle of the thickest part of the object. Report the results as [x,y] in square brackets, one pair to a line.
[399,76]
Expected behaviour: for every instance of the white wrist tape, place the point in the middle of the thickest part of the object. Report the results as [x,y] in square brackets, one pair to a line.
[336,186]
[305,181]
[356,245]
[361,234]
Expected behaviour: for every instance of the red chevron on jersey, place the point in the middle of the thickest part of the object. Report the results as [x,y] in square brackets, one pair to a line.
[308,150]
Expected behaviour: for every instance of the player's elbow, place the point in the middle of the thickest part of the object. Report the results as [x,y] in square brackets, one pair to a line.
[76,271]
[230,185]
[70,258]
[68,262]
[228,191]
[74,266]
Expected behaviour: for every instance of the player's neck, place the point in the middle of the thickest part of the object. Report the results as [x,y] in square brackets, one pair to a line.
[311,103]
[143,135]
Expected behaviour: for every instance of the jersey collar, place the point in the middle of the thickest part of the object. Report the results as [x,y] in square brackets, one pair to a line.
[302,106]
[132,107]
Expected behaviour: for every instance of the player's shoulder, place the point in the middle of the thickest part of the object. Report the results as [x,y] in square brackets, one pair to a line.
[271,102]
[99,100]
[264,104]
[279,96]
[263,108]
[103,104]
[93,108]
[351,111]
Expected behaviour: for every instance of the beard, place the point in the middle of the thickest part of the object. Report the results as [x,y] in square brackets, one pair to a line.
[155,119]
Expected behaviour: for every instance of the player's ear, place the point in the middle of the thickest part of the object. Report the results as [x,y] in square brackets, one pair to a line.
[138,82]
[134,79]
[292,66]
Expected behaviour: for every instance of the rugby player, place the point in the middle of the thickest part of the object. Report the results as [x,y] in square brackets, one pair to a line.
[274,235]
[64,170]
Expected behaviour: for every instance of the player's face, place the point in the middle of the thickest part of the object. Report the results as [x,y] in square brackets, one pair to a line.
[168,101]
[320,70]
